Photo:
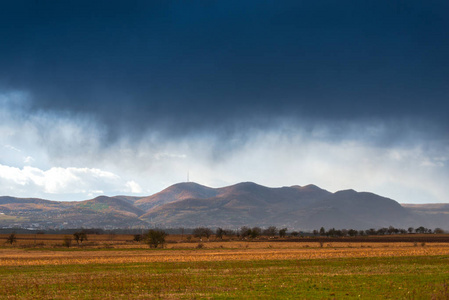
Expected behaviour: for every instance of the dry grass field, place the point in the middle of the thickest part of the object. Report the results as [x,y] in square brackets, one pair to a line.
[114,266]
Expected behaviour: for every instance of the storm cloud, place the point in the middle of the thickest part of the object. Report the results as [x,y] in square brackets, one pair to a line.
[340,94]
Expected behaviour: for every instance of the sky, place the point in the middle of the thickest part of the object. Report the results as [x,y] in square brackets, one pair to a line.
[128,97]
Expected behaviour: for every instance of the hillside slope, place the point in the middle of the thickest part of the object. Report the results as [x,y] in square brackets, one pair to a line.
[190,204]
[175,192]
[307,207]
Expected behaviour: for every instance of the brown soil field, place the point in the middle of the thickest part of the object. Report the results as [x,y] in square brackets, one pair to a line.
[103,249]
[21,257]
[126,240]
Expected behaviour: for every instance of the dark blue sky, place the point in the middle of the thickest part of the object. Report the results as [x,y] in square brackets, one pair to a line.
[204,62]
[224,68]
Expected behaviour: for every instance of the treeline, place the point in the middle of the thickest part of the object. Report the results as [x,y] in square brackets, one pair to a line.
[242,232]
[272,231]
[372,231]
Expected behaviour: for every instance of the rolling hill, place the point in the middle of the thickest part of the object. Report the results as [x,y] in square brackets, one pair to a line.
[190,204]
[306,207]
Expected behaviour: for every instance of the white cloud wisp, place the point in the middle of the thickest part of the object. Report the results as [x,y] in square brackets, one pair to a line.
[65,156]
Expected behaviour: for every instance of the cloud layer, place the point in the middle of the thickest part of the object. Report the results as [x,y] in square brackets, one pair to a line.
[46,154]
[107,97]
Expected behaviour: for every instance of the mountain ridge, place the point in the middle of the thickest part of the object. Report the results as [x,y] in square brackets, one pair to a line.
[189,204]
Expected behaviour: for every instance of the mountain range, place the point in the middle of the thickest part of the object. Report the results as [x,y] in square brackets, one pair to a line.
[191,205]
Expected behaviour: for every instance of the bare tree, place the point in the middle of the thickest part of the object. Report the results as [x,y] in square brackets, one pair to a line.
[11,239]
[421,229]
[322,231]
[255,232]
[270,231]
[155,238]
[245,231]
[80,237]
[283,232]
[371,231]
[352,232]
[219,233]
[137,238]
[201,232]
[438,230]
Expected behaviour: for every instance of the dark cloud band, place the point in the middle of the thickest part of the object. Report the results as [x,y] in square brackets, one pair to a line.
[180,68]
